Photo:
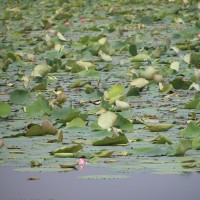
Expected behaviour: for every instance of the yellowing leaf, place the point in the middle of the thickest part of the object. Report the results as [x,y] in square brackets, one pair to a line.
[121,105]
[61,37]
[149,72]
[139,82]
[41,70]
[102,41]
[107,119]
[159,127]
[175,66]
[85,65]
[105,57]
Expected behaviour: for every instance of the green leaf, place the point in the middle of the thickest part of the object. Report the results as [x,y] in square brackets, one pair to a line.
[68,165]
[39,107]
[123,123]
[180,148]
[64,155]
[38,130]
[195,59]
[196,143]
[108,141]
[179,83]
[192,104]
[64,115]
[159,127]
[161,140]
[192,130]
[115,92]
[104,154]
[150,151]
[166,88]
[76,123]
[38,87]
[20,97]
[133,49]
[5,109]
[140,58]
[72,149]
[146,20]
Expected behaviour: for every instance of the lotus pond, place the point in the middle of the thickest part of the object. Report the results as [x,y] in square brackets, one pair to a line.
[112,84]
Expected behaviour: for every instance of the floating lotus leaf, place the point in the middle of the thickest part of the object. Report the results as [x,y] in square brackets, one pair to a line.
[105,57]
[167,88]
[35,163]
[1,143]
[122,105]
[123,123]
[192,130]
[175,66]
[108,141]
[41,70]
[102,41]
[20,96]
[196,143]
[39,107]
[38,130]
[141,58]
[133,49]
[150,151]
[192,104]
[72,149]
[148,73]
[107,119]
[61,37]
[76,123]
[104,154]
[195,59]
[68,165]
[5,109]
[64,155]
[139,83]
[179,83]
[159,127]
[116,92]
[85,65]
[180,148]
[161,140]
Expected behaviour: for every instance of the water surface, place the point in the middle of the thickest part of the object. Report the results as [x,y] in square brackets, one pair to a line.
[68,186]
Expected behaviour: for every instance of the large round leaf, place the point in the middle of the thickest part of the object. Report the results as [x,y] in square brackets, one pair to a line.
[107,119]
[5,109]
[19,97]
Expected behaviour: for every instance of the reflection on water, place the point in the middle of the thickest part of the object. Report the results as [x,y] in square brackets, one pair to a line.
[67,186]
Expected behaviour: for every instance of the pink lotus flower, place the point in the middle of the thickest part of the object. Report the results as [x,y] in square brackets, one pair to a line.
[67,23]
[82,20]
[82,161]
